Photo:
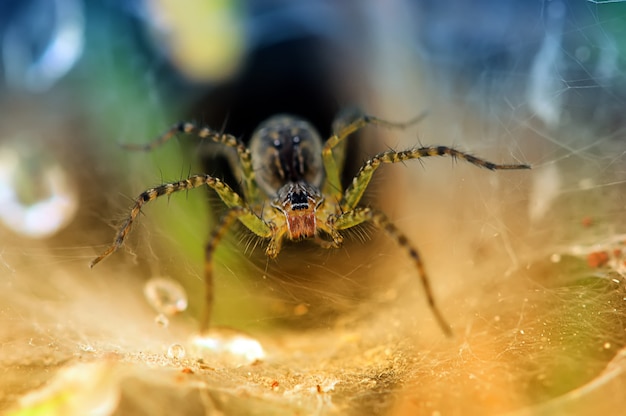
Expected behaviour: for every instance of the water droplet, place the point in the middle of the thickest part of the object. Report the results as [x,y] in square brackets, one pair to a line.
[37,198]
[161,320]
[230,347]
[176,351]
[86,347]
[165,295]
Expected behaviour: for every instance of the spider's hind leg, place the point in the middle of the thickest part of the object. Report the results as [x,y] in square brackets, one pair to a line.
[360,215]
[216,236]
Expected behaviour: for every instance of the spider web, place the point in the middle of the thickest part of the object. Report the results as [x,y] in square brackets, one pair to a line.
[527,266]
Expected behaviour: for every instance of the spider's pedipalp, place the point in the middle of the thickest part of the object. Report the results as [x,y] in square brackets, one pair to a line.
[359,215]
[355,191]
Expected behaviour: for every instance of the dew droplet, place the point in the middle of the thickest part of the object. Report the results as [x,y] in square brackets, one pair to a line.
[165,295]
[37,197]
[161,320]
[176,351]
[86,347]
[230,347]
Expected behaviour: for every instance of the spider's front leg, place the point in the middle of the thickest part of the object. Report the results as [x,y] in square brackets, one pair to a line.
[359,215]
[230,198]
[355,191]
[239,210]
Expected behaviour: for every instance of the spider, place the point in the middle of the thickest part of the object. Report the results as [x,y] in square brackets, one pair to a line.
[292,190]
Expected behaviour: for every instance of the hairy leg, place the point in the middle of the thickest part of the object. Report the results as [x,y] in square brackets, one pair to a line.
[250,186]
[347,123]
[216,236]
[354,193]
[230,198]
[360,215]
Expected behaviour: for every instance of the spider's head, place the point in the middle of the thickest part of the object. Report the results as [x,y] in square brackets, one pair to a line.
[286,149]
[298,201]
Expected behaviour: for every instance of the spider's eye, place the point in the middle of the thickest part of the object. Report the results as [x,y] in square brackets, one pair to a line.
[286,149]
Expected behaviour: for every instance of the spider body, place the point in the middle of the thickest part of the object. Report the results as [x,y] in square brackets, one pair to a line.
[288,166]
[286,150]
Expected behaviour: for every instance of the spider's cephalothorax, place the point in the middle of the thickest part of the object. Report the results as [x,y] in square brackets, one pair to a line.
[286,149]
[287,161]
[292,190]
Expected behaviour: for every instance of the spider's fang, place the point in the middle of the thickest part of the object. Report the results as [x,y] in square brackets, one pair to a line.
[300,215]
[298,202]
[301,224]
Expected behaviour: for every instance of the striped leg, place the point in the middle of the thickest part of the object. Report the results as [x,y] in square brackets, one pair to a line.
[354,193]
[230,198]
[349,122]
[250,186]
[360,215]
[216,236]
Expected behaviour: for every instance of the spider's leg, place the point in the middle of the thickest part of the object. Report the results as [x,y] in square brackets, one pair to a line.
[326,243]
[336,239]
[354,193]
[360,215]
[216,236]
[185,127]
[347,123]
[230,198]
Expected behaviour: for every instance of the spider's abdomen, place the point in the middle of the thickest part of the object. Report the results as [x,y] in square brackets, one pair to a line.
[286,149]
